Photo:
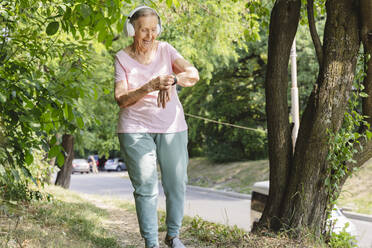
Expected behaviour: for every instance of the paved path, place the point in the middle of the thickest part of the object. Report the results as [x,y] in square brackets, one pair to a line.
[213,207]
[217,207]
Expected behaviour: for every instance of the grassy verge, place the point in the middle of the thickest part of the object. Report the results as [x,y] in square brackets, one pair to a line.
[65,221]
[240,176]
[71,220]
[357,192]
[236,176]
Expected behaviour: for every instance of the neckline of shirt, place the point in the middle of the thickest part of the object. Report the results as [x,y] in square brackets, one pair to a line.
[145,65]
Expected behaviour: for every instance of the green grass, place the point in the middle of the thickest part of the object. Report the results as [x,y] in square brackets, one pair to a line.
[357,192]
[71,220]
[66,221]
[236,176]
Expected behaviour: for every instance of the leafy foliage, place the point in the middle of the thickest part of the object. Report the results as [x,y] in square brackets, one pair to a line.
[235,94]
[43,75]
[342,239]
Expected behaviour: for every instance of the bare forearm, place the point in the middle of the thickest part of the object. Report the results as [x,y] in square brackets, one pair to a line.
[128,98]
[188,78]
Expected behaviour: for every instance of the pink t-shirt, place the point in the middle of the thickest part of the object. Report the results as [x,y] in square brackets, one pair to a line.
[145,116]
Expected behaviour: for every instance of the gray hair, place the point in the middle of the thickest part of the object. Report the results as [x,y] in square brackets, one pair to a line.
[143,12]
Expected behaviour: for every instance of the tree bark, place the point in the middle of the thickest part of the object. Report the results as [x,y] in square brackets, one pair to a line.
[306,202]
[298,183]
[314,33]
[64,175]
[366,35]
[283,26]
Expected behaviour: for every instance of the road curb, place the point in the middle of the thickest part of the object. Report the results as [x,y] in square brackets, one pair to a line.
[221,192]
[356,216]
[352,215]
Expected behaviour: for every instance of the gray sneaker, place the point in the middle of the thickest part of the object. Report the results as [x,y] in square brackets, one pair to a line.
[174,242]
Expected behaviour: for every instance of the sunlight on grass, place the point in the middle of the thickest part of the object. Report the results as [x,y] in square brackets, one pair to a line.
[66,221]
[72,220]
[356,194]
[235,176]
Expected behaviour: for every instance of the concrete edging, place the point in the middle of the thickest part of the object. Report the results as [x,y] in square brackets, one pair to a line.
[356,216]
[351,215]
[221,192]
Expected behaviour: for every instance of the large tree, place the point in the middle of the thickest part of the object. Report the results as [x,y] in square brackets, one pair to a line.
[304,183]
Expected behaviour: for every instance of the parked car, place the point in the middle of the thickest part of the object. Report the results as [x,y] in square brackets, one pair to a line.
[80,165]
[260,193]
[115,164]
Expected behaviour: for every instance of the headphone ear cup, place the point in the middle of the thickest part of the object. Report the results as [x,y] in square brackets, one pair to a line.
[130,30]
[158,29]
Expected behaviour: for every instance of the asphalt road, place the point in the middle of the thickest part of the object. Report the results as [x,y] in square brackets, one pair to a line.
[209,205]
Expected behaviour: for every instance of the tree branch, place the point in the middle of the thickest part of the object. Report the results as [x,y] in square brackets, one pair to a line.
[366,35]
[363,155]
[314,33]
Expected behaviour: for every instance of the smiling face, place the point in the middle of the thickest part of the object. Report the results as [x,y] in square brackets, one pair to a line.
[145,32]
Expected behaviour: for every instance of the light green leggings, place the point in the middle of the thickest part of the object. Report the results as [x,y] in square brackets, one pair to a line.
[141,152]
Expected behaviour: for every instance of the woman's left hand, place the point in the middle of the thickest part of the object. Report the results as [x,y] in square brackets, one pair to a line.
[164,97]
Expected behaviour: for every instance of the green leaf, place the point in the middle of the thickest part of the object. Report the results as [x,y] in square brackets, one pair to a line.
[80,122]
[70,113]
[327,182]
[29,158]
[98,122]
[67,14]
[52,28]
[53,141]
[2,98]
[101,35]
[2,170]
[369,134]
[60,159]
[169,3]
[85,10]
[15,174]
[363,94]
[65,111]
[54,151]
[176,3]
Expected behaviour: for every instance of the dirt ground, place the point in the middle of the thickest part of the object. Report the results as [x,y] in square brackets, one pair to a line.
[123,224]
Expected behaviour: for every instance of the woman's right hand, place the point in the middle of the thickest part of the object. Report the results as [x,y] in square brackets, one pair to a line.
[163,82]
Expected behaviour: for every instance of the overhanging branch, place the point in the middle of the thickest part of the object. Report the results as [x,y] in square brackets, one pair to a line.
[314,33]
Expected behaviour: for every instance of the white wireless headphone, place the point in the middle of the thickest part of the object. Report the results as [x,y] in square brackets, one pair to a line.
[128,27]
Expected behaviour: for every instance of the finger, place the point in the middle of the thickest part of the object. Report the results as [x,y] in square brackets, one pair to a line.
[167,95]
[164,99]
[159,101]
[161,98]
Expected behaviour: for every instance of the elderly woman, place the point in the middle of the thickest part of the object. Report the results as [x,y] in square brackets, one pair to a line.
[152,127]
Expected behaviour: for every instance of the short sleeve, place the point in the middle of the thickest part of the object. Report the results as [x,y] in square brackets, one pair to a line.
[174,54]
[120,74]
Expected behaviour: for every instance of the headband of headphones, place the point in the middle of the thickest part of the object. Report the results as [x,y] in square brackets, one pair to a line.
[128,26]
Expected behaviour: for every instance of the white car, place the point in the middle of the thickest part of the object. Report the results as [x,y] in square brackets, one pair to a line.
[260,192]
[80,165]
[115,164]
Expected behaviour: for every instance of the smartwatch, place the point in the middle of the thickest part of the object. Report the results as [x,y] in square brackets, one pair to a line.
[175,80]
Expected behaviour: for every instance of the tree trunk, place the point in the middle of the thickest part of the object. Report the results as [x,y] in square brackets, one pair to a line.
[283,26]
[302,198]
[64,175]
[366,35]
